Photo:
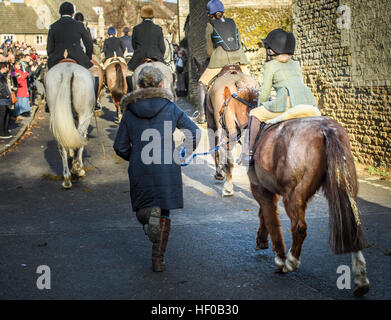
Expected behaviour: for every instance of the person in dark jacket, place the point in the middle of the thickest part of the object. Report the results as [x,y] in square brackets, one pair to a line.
[147,40]
[113,45]
[5,101]
[126,40]
[67,34]
[154,169]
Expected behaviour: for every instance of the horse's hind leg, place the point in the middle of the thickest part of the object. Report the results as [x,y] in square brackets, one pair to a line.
[268,211]
[361,282]
[66,184]
[262,234]
[295,208]
[77,164]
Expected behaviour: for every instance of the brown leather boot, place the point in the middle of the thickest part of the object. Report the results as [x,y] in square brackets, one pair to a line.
[158,249]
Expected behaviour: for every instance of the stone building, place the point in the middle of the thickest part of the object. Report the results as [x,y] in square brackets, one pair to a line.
[92,10]
[345,52]
[20,22]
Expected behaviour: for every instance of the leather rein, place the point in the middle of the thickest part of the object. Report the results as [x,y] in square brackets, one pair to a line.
[222,117]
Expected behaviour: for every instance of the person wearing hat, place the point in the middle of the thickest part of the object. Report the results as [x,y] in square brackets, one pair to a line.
[112,45]
[283,74]
[80,17]
[223,45]
[147,40]
[155,182]
[67,34]
[126,40]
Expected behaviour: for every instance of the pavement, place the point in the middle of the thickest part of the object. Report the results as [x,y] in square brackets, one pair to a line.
[96,249]
[18,129]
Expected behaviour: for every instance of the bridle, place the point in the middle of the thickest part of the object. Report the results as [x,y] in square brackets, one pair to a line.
[223,114]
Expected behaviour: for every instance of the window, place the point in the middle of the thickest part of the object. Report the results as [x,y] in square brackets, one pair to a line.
[8,36]
[40,39]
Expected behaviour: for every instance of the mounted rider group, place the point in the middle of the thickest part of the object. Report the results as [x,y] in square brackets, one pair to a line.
[225,86]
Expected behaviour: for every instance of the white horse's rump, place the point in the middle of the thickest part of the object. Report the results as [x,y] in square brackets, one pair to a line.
[168,79]
[70,97]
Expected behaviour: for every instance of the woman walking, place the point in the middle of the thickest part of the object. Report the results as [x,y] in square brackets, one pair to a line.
[155,181]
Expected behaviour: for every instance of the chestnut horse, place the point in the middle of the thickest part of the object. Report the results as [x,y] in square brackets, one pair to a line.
[116,83]
[214,99]
[294,159]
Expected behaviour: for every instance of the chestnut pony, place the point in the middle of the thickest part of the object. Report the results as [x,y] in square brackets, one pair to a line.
[294,159]
[116,83]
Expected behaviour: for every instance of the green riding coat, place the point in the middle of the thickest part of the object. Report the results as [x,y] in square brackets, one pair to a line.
[286,78]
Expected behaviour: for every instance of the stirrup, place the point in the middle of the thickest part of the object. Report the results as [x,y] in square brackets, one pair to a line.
[246,160]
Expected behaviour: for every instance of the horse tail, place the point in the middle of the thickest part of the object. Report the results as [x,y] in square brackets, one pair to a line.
[62,123]
[118,89]
[340,187]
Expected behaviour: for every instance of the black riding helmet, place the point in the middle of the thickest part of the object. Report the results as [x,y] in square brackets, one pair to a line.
[280,41]
[67,8]
[79,17]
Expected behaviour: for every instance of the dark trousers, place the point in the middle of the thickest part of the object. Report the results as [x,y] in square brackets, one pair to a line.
[4,120]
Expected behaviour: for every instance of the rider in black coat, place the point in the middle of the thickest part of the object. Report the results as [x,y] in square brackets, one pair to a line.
[147,40]
[66,34]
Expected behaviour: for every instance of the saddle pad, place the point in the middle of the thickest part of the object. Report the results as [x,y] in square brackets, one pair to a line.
[299,111]
[112,60]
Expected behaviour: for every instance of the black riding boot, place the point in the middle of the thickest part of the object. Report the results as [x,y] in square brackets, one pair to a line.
[254,126]
[201,103]
[129,83]
[96,88]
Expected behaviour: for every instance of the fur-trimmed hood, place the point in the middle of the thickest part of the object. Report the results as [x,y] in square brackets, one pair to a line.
[148,102]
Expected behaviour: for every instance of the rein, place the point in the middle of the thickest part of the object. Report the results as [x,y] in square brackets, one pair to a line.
[226,103]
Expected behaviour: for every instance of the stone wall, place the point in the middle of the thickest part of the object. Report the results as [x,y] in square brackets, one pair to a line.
[254,18]
[345,50]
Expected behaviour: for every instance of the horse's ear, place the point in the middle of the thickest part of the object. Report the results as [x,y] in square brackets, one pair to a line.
[227,93]
[197,63]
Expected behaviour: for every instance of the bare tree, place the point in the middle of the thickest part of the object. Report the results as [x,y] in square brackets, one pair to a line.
[120,13]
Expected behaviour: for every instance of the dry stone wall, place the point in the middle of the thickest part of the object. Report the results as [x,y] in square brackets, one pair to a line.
[345,50]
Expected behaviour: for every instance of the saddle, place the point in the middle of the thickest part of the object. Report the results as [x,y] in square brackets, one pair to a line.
[149,60]
[229,68]
[68,60]
[112,60]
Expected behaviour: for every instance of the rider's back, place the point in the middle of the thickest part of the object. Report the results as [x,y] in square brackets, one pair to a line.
[148,42]
[66,34]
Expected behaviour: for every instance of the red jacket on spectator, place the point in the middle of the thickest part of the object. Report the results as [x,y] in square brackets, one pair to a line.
[23,91]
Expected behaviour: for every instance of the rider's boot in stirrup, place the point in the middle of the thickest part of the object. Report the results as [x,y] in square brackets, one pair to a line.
[96,88]
[247,158]
[201,103]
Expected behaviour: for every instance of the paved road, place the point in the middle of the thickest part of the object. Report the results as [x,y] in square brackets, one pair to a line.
[96,249]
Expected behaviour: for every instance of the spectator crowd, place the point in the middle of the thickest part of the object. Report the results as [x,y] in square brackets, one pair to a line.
[22,73]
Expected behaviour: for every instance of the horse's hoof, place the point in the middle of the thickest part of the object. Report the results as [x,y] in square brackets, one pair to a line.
[227,193]
[219,177]
[262,246]
[291,263]
[67,185]
[81,173]
[359,291]
[280,263]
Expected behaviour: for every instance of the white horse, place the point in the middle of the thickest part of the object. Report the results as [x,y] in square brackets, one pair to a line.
[71,100]
[168,79]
